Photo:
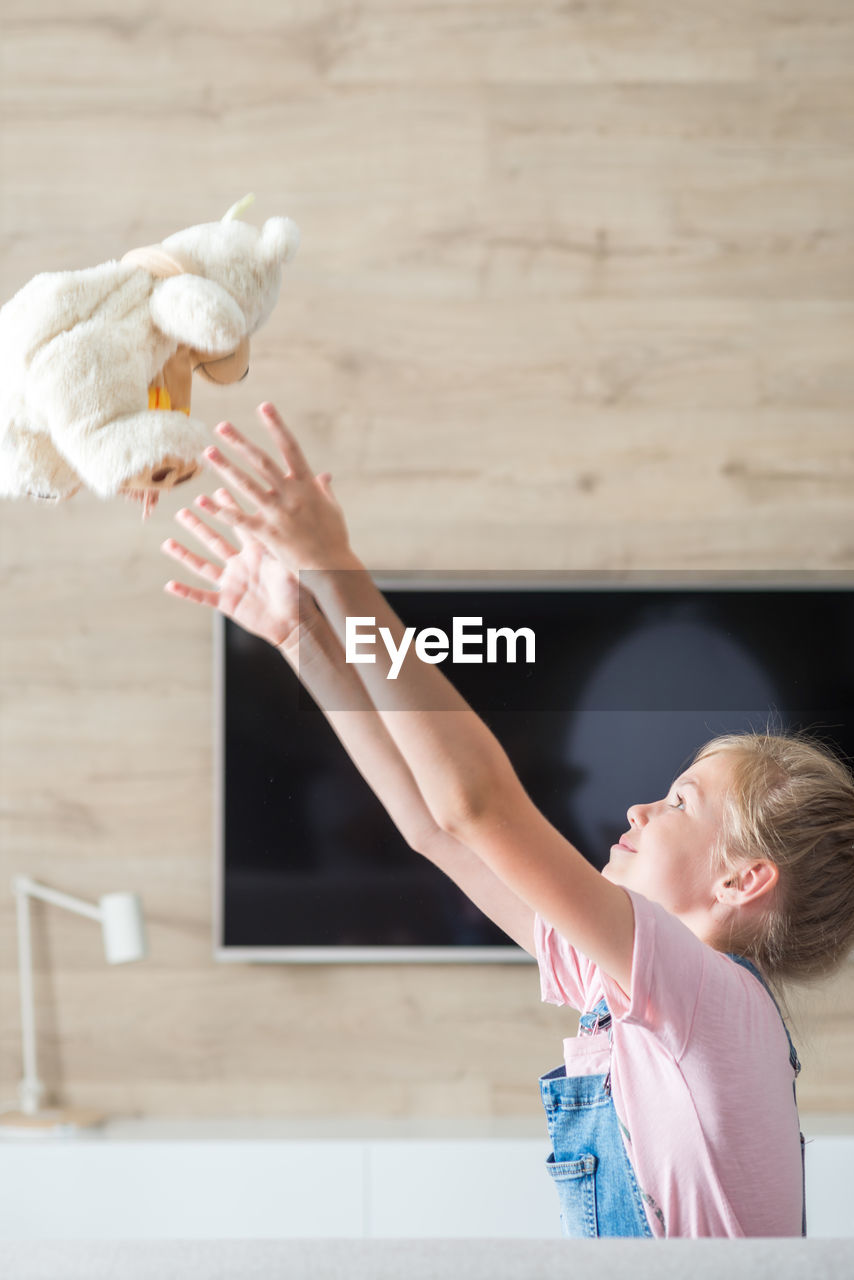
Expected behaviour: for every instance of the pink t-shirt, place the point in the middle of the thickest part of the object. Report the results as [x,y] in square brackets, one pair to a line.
[700,1077]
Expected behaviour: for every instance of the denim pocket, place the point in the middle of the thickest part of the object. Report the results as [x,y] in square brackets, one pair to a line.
[575,1182]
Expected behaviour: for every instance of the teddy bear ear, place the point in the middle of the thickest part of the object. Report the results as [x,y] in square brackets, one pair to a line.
[279,239]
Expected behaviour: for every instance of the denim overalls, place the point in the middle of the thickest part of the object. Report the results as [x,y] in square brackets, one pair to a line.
[596,1185]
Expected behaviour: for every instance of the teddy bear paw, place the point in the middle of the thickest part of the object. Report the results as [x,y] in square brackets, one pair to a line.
[162,475]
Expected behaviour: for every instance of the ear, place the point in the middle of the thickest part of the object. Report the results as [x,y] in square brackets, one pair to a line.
[279,240]
[198,313]
[750,882]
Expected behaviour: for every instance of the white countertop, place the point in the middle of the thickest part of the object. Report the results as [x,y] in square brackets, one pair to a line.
[323,1128]
[368,1128]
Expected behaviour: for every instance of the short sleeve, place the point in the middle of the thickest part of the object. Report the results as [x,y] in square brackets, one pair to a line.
[566,976]
[668,965]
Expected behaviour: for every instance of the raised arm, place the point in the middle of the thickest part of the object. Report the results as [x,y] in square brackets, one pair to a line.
[258,592]
[460,769]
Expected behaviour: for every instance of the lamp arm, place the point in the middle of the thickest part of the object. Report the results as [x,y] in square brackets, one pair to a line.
[23,884]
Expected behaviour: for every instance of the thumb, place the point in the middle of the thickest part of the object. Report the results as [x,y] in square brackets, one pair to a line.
[325,482]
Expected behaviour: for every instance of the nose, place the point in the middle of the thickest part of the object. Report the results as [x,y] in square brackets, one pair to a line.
[638,815]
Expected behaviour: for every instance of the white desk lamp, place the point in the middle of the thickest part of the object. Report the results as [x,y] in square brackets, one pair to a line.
[123,927]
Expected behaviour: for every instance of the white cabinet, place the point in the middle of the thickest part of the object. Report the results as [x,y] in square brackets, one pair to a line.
[494,1189]
[173,1190]
[142,1181]
[161,1185]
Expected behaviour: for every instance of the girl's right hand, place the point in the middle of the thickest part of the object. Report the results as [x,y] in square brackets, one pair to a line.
[297,516]
[254,588]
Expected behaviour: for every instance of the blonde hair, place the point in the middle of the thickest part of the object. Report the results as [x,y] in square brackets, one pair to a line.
[791,801]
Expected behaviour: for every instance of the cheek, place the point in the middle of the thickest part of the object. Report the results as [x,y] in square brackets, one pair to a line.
[690,874]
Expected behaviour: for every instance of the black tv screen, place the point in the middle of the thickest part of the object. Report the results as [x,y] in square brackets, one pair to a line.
[627,681]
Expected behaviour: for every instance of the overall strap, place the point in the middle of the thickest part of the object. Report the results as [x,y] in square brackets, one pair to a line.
[591,1023]
[751,968]
[597,1019]
[796,1067]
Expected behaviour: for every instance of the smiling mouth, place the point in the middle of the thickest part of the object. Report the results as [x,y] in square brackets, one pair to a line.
[621,844]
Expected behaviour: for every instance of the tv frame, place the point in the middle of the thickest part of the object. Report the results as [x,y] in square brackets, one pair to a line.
[517,580]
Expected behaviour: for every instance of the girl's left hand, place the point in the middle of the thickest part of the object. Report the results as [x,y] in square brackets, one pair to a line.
[297,518]
[251,586]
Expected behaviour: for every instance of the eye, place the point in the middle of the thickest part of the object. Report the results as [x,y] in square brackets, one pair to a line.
[680,803]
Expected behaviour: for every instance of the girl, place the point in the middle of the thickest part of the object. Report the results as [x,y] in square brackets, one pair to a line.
[674,1112]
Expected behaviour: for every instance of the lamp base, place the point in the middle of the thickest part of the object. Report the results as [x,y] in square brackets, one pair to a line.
[51,1122]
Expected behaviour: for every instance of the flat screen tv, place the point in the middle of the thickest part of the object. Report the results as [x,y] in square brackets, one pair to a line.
[628,679]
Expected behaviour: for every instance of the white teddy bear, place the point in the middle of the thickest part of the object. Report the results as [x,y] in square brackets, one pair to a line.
[97,364]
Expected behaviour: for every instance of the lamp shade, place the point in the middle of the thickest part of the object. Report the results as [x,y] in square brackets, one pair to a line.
[123,927]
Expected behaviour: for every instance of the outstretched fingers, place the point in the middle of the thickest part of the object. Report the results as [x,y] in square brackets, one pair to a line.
[203,568]
[196,594]
[227,500]
[267,469]
[210,538]
[237,478]
[206,569]
[287,442]
[223,507]
[190,560]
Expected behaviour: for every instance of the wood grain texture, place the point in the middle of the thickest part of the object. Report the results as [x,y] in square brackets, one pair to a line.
[576,290]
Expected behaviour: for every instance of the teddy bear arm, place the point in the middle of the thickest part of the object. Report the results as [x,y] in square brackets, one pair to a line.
[109,436]
[152,449]
[197,313]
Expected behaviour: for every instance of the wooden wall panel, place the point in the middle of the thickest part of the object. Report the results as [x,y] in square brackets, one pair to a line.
[575,291]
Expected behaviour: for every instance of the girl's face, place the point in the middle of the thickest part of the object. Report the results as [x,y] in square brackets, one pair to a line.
[667,852]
